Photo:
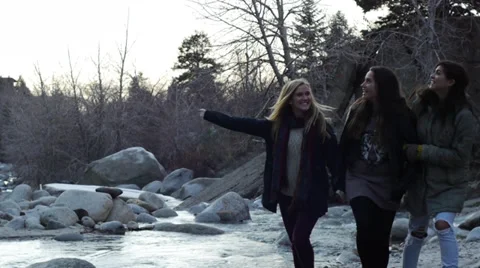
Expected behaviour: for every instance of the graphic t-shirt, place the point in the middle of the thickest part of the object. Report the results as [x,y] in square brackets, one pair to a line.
[369,174]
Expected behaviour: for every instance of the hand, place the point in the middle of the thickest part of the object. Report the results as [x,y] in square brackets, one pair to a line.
[201,112]
[411,152]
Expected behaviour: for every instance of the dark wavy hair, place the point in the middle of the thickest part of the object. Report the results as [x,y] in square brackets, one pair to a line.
[456,98]
[390,103]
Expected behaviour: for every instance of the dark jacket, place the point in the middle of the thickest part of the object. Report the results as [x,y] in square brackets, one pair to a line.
[325,154]
[447,151]
[402,131]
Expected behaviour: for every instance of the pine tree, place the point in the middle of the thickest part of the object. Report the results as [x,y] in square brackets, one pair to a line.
[197,82]
[403,13]
[308,44]
[341,34]
[308,37]
[193,58]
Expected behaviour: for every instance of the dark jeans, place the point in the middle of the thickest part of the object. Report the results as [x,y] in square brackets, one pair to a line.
[373,232]
[299,225]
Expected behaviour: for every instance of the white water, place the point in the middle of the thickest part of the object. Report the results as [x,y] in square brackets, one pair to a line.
[251,244]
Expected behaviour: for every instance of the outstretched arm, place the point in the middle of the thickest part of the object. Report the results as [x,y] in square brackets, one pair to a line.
[252,126]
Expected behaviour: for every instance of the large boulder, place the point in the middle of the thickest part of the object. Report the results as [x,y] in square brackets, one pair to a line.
[22,192]
[63,215]
[98,205]
[175,180]
[228,208]
[134,165]
[193,187]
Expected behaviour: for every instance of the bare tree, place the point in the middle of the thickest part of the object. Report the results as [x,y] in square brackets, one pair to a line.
[119,100]
[261,23]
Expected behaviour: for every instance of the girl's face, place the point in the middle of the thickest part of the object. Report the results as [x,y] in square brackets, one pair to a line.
[369,87]
[301,99]
[439,82]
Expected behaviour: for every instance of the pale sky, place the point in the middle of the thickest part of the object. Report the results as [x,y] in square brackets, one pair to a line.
[42,32]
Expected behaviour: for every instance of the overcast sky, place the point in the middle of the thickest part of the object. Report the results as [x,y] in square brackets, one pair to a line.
[42,32]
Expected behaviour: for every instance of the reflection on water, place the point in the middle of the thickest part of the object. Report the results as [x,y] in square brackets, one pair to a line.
[250,244]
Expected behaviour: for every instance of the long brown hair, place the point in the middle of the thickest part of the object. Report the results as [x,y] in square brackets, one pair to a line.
[315,115]
[390,103]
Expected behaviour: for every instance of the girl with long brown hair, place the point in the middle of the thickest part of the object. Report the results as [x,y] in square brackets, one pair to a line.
[373,167]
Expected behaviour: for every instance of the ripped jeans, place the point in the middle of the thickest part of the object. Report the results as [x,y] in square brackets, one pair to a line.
[448,242]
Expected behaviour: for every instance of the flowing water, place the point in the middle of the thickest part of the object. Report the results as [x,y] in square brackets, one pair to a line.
[250,244]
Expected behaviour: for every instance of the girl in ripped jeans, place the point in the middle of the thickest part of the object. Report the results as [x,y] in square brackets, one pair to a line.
[445,126]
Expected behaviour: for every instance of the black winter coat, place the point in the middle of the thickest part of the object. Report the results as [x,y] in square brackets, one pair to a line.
[325,154]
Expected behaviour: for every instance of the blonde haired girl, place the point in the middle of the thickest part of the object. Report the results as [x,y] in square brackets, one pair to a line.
[300,146]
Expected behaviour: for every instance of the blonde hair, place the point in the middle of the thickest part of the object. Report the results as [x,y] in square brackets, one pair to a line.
[315,116]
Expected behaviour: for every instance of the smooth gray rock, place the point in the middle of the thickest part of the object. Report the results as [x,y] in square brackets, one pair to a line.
[69,237]
[154,200]
[17,223]
[10,207]
[39,194]
[143,204]
[474,235]
[165,213]
[113,227]
[88,222]
[44,201]
[131,165]
[63,263]
[137,209]
[33,223]
[230,208]
[175,180]
[198,208]
[145,218]
[189,228]
[153,187]
[22,192]
[121,212]
[5,216]
[98,205]
[472,221]
[63,215]
[133,225]
[112,191]
[399,229]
